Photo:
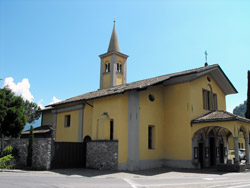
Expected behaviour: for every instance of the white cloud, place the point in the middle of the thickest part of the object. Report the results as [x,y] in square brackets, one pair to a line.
[21,88]
[40,104]
[54,100]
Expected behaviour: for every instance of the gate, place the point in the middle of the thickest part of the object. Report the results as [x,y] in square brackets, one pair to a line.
[69,155]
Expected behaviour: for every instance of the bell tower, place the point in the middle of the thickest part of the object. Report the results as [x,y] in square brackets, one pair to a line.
[113,64]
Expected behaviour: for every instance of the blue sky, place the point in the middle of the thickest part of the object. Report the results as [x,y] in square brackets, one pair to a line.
[49,49]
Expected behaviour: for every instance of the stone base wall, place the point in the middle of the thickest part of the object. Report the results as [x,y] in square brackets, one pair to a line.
[102,155]
[42,148]
[231,168]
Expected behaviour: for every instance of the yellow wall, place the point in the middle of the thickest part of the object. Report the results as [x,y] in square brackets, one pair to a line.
[183,103]
[119,78]
[87,120]
[106,80]
[106,76]
[67,134]
[117,109]
[47,118]
[196,96]
[177,139]
[170,114]
[151,114]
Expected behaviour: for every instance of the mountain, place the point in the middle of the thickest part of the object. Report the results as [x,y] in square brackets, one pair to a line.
[37,123]
[241,109]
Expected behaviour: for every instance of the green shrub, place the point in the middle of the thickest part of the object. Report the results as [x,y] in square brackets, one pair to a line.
[7,161]
[9,157]
[7,150]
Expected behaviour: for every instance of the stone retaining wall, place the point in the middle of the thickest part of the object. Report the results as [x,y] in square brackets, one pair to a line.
[102,155]
[42,152]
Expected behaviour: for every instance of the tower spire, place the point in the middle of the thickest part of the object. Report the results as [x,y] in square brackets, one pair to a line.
[113,44]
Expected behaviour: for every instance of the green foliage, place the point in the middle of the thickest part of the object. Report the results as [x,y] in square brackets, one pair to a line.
[7,150]
[12,116]
[14,113]
[8,158]
[30,147]
[240,110]
[247,114]
[32,111]
[6,161]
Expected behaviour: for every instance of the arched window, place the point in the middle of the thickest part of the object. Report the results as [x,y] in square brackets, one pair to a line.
[107,67]
[119,67]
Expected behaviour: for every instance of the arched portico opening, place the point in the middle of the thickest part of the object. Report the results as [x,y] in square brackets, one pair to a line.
[210,146]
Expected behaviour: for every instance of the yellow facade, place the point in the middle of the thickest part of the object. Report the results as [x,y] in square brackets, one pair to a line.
[151,114]
[119,77]
[67,134]
[169,114]
[106,80]
[113,70]
[196,100]
[116,108]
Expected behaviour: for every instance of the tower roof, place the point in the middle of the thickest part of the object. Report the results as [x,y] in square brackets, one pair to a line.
[113,44]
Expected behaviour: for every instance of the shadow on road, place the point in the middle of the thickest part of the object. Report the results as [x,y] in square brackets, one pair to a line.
[142,173]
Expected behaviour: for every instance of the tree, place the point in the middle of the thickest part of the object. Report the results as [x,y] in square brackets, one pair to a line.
[12,116]
[32,111]
[247,114]
[30,147]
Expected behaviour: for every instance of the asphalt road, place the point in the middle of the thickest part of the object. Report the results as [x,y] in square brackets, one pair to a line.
[147,179]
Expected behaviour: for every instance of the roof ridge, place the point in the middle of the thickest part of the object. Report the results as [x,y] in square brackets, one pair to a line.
[189,70]
[132,85]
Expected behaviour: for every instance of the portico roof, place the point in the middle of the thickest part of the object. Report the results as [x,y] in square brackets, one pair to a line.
[218,116]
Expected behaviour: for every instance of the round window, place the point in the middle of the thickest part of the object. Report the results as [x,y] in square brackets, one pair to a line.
[151,97]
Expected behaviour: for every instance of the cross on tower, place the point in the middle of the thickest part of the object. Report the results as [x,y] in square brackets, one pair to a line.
[206,56]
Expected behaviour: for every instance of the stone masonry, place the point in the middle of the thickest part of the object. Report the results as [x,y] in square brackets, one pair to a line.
[42,152]
[102,155]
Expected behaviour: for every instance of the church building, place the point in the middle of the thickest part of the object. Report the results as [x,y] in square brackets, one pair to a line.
[174,120]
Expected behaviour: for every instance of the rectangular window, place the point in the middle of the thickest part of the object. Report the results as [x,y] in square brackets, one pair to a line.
[67,121]
[111,129]
[151,137]
[215,105]
[208,103]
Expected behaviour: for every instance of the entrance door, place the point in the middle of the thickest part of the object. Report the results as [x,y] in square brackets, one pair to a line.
[212,150]
[201,148]
[69,155]
[221,153]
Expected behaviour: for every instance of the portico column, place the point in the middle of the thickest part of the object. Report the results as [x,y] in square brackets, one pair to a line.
[247,150]
[207,160]
[236,150]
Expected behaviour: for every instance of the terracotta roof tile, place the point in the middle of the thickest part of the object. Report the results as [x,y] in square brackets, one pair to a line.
[131,86]
[219,115]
